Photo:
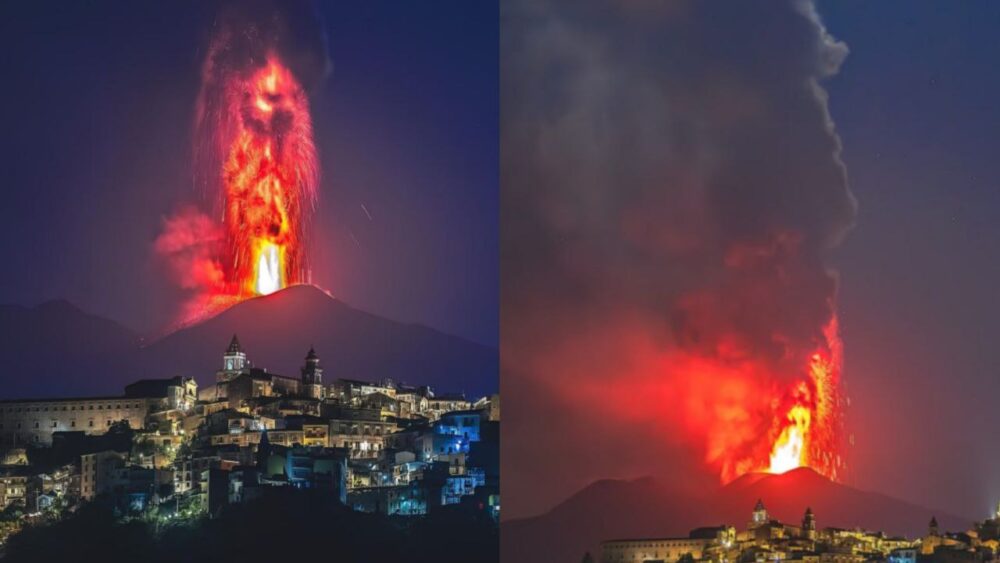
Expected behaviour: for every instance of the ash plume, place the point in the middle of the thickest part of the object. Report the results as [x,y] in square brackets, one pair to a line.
[254,157]
[243,36]
[672,192]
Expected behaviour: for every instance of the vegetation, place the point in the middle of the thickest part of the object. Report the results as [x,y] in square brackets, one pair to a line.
[284,523]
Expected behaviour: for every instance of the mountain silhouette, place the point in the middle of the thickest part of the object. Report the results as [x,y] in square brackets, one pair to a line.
[59,350]
[650,507]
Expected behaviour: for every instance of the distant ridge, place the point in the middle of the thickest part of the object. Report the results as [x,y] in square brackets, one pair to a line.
[56,349]
[277,330]
[59,350]
[650,507]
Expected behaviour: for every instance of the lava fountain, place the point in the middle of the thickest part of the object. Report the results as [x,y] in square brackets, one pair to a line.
[806,423]
[810,429]
[255,160]
[269,178]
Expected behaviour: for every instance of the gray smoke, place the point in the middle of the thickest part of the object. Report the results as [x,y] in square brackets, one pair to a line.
[670,172]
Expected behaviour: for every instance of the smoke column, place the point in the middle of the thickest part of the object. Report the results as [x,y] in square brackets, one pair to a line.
[254,158]
[672,192]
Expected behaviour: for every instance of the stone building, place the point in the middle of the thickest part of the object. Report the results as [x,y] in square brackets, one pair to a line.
[34,421]
[178,393]
[312,377]
[362,438]
[662,549]
[98,473]
[13,489]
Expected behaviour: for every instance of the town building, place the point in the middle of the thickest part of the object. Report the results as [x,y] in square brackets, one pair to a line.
[165,447]
[765,539]
[98,473]
[33,422]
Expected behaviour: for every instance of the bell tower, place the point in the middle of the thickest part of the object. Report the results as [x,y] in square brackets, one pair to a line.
[312,376]
[759,516]
[809,524]
[233,361]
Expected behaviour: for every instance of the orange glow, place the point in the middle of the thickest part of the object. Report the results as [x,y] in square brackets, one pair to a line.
[254,156]
[269,176]
[806,434]
[762,428]
[264,106]
[789,451]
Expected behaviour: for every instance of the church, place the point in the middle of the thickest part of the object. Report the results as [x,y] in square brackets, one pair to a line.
[238,380]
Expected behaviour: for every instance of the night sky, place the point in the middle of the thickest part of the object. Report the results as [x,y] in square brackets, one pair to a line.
[916,105]
[98,104]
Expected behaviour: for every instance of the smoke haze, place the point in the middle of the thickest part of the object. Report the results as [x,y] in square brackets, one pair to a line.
[672,191]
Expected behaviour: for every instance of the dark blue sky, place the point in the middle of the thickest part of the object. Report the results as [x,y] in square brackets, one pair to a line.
[916,105]
[97,105]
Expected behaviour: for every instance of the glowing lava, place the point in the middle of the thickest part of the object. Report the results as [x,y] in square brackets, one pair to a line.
[807,433]
[269,178]
[789,449]
[268,270]
[755,421]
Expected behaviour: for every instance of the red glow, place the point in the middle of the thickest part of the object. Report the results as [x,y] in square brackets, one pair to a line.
[754,423]
[255,132]
[269,176]
[739,412]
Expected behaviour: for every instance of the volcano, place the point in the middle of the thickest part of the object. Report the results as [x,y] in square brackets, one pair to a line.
[278,329]
[650,507]
[58,350]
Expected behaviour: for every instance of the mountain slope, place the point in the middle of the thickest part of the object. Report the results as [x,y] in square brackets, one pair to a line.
[648,508]
[55,348]
[276,331]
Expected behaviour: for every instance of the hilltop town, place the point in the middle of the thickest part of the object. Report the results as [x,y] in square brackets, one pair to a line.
[166,450]
[767,539]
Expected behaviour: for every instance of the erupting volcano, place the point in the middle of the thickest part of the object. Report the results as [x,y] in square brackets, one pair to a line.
[268,180]
[255,162]
[808,433]
[754,418]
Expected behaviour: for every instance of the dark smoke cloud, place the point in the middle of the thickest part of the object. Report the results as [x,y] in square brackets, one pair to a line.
[246,30]
[672,189]
[243,36]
